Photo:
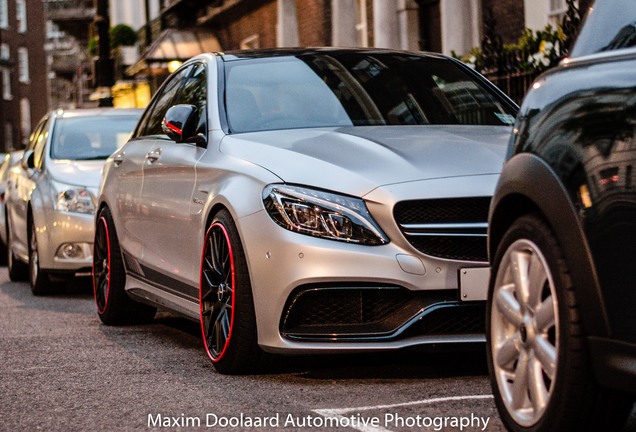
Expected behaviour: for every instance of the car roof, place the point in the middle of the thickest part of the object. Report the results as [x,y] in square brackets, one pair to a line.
[95,112]
[279,52]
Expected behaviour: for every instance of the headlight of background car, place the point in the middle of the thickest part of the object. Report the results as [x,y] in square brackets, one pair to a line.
[322,214]
[74,199]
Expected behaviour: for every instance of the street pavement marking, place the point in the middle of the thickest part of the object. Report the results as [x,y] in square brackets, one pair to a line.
[338,412]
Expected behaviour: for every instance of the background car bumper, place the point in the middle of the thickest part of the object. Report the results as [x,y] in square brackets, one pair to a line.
[65,228]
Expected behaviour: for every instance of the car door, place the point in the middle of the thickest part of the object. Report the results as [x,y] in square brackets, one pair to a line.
[21,185]
[168,182]
[129,211]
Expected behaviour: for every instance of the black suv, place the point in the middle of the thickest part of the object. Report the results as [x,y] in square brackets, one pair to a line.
[561,324]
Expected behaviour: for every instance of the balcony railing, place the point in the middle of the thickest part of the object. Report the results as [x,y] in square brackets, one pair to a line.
[69,7]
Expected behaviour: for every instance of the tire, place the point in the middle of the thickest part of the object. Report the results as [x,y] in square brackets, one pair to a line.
[3,253]
[38,279]
[228,321]
[3,245]
[540,372]
[114,306]
[18,271]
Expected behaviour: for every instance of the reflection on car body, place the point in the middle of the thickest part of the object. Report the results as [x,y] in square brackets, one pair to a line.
[305,201]
[9,161]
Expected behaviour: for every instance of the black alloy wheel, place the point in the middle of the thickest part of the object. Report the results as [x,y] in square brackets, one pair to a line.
[101,265]
[217,291]
[114,306]
[228,322]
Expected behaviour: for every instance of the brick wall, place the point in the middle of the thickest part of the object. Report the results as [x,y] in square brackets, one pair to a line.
[245,20]
[314,22]
[35,90]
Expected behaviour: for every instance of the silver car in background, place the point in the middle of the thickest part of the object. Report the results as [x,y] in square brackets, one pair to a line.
[8,162]
[51,194]
[306,201]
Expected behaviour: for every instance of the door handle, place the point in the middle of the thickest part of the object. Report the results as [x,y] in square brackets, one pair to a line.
[153,155]
[118,159]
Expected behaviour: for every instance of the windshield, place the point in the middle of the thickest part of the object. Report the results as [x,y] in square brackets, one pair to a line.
[356,89]
[95,137]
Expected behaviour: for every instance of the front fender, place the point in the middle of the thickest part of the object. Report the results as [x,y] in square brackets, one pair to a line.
[528,184]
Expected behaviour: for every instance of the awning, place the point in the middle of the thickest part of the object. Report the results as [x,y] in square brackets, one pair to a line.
[177,45]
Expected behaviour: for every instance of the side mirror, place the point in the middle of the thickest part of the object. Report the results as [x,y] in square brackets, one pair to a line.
[28,160]
[180,123]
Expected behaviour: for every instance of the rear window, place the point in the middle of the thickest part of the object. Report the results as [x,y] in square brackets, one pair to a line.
[84,138]
[356,89]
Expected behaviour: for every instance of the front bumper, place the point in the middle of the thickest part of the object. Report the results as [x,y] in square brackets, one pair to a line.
[283,264]
[63,228]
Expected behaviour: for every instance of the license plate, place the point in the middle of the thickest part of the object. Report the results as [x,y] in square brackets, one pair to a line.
[473,283]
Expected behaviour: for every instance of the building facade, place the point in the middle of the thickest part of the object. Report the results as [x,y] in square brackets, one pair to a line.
[447,26]
[171,31]
[23,79]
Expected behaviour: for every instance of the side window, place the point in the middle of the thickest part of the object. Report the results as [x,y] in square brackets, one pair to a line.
[40,142]
[163,102]
[34,134]
[195,93]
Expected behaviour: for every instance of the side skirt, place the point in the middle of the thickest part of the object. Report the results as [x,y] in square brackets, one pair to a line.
[144,292]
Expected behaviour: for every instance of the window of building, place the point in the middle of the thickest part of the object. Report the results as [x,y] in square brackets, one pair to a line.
[8,136]
[362,23]
[6,84]
[4,14]
[557,11]
[21,15]
[23,65]
[25,118]
[4,52]
[558,7]
[251,42]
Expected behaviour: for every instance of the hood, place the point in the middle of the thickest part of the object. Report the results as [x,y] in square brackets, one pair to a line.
[356,160]
[78,173]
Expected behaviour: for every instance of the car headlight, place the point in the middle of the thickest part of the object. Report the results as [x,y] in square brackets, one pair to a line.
[74,199]
[322,214]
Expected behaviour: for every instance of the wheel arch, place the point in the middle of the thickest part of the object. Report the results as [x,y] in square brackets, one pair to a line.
[29,221]
[214,210]
[528,184]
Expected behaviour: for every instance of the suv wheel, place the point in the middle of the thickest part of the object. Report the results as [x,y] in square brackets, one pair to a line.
[539,367]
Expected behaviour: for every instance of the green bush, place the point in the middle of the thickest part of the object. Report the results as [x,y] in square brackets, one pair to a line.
[122,35]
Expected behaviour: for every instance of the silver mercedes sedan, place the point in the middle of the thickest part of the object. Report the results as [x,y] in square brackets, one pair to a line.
[306,201]
[51,194]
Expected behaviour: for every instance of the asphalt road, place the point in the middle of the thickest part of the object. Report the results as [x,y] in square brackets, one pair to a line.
[62,370]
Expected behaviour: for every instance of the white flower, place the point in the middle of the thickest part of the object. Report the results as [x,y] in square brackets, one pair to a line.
[546,47]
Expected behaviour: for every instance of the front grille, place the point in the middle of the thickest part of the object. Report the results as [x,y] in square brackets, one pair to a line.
[367,313]
[345,306]
[457,319]
[451,228]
